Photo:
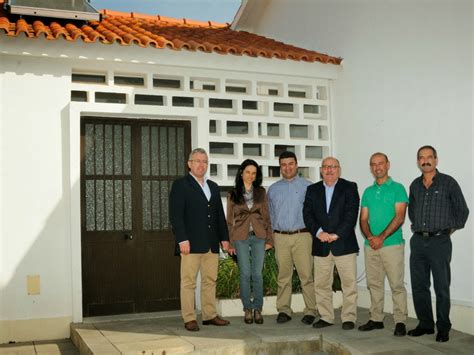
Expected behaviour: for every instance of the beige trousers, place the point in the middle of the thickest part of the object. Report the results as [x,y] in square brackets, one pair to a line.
[294,250]
[323,279]
[190,265]
[388,261]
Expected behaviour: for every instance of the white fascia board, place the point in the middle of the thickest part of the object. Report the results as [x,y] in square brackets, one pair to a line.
[178,58]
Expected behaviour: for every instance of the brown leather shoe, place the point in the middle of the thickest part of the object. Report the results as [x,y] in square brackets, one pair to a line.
[216,321]
[257,316]
[192,326]
[248,317]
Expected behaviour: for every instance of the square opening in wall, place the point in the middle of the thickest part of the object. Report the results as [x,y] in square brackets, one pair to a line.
[213,170]
[167,83]
[79,96]
[303,172]
[249,105]
[88,78]
[234,127]
[300,91]
[152,100]
[322,93]
[212,126]
[311,109]
[110,98]
[282,148]
[269,89]
[182,101]
[203,84]
[294,93]
[298,131]
[274,171]
[232,171]
[252,149]
[283,107]
[273,130]
[221,103]
[314,152]
[221,148]
[237,86]
[129,80]
[323,133]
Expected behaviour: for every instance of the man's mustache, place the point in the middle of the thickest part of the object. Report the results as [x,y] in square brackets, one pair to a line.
[426,164]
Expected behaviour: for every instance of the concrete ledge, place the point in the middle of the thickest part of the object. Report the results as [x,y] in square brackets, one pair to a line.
[167,335]
[233,307]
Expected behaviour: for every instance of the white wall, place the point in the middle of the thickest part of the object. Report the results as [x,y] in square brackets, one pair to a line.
[34,204]
[40,166]
[407,80]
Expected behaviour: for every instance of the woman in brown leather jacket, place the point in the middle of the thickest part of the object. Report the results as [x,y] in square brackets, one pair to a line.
[250,233]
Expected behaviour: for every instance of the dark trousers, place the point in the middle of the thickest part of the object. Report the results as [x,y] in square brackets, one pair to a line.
[431,255]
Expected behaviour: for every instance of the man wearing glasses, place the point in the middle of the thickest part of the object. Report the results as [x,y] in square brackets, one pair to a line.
[199,225]
[330,213]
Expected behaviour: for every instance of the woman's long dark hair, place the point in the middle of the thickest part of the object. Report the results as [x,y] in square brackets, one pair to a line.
[237,193]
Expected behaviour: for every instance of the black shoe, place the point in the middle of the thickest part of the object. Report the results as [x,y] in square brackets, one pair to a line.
[348,325]
[371,325]
[321,324]
[420,331]
[248,316]
[442,337]
[400,330]
[257,316]
[308,319]
[283,317]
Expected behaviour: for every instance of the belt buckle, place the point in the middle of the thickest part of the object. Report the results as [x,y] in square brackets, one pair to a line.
[425,234]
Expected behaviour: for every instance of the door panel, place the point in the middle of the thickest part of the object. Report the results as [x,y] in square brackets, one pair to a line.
[128,260]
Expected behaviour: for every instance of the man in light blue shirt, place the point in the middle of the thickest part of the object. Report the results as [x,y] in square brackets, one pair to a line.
[292,240]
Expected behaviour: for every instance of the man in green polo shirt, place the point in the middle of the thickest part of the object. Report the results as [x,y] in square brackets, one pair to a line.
[382,214]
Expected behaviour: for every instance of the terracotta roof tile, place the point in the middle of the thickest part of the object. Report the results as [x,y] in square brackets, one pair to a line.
[160,32]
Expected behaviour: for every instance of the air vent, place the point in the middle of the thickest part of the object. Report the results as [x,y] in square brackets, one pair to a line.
[68,9]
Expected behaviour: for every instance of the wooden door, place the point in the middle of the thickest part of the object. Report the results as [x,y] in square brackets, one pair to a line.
[127,168]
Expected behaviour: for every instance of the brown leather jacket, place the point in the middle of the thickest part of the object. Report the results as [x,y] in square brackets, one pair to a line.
[239,218]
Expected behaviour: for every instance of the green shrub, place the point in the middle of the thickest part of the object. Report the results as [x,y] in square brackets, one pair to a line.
[228,283]
[228,277]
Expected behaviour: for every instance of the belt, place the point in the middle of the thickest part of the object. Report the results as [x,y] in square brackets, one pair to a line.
[303,230]
[434,234]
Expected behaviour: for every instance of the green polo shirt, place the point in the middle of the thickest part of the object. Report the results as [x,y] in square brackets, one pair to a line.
[381,200]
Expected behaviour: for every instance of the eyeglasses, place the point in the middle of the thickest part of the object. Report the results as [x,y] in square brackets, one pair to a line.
[326,167]
[200,161]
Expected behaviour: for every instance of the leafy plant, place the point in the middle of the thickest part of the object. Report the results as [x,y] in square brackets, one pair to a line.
[228,282]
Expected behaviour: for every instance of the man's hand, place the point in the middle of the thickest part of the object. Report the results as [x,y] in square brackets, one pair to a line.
[231,251]
[375,242]
[225,245]
[268,246]
[333,237]
[324,237]
[185,247]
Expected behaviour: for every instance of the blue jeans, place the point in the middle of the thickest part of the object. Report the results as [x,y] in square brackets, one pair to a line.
[250,256]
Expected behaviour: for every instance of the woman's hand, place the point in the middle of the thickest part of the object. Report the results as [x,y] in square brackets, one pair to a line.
[268,246]
[231,251]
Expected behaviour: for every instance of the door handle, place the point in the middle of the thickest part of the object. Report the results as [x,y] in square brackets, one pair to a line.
[128,237]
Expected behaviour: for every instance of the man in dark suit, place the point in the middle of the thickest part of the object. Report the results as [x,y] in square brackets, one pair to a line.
[330,213]
[199,225]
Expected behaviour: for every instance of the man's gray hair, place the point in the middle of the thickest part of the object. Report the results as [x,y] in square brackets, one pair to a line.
[196,150]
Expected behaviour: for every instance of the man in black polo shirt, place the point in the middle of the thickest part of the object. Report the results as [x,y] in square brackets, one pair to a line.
[436,209]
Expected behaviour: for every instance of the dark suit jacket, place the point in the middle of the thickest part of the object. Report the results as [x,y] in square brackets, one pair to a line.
[341,219]
[196,219]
